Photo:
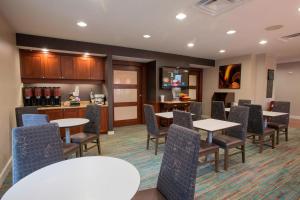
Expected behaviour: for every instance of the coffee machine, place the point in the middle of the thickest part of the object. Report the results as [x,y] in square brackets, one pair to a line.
[47,96]
[37,96]
[27,96]
[56,96]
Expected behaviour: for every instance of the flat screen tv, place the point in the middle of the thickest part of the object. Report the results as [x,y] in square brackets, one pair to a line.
[173,77]
[230,76]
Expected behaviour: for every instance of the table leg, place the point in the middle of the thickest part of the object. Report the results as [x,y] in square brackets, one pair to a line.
[209,140]
[68,139]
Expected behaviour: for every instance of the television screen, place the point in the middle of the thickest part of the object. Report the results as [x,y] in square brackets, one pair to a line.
[174,77]
[230,76]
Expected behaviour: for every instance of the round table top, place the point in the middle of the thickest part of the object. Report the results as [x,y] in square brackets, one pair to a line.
[70,122]
[91,178]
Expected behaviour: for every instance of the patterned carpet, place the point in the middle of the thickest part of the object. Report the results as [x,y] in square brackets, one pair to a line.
[274,174]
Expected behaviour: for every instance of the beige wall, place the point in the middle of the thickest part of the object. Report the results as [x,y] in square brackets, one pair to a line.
[10,89]
[287,86]
[253,79]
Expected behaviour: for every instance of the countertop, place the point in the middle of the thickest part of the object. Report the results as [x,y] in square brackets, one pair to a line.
[83,104]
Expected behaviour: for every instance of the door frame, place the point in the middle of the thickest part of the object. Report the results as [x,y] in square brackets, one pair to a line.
[199,87]
[131,66]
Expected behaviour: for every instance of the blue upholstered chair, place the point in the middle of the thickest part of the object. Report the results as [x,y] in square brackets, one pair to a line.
[178,170]
[35,147]
[196,109]
[235,137]
[256,127]
[281,123]
[153,131]
[91,131]
[34,119]
[243,102]
[218,110]
[24,110]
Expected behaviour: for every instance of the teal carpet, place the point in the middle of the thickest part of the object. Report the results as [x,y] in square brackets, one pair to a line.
[274,174]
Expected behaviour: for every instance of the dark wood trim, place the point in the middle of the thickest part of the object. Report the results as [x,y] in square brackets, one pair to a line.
[126,122]
[127,63]
[38,80]
[126,67]
[125,86]
[199,87]
[125,104]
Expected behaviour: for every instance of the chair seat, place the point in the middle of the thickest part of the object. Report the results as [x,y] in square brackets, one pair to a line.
[149,194]
[70,148]
[83,137]
[162,133]
[276,125]
[206,148]
[226,141]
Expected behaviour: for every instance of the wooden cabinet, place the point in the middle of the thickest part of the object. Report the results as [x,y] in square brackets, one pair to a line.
[83,68]
[97,69]
[67,67]
[104,119]
[52,66]
[31,65]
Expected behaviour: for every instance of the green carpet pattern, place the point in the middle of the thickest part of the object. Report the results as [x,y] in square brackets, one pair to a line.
[274,174]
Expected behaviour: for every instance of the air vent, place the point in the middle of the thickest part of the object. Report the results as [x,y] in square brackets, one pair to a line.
[217,7]
[287,37]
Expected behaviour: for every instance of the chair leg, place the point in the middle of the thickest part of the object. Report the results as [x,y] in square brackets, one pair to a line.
[98,145]
[261,143]
[243,153]
[286,134]
[226,159]
[156,145]
[277,136]
[217,161]
[273,140]
[77,154]
[80,150]
[253,139]
[85,147]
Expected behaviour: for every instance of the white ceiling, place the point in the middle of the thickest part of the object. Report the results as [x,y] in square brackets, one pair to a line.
[123,23]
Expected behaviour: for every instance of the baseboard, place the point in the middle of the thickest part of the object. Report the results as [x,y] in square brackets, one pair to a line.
[294,117]
[5,171]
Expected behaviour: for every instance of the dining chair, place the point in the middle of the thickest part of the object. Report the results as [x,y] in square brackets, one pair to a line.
[177,176]
[19,111]
[184,119]
[256,127]
[91,131]
[196,109]
[34,147]
[153,131]
[41,119]
[218,110]
[235,137]
[280,123]
[243,102]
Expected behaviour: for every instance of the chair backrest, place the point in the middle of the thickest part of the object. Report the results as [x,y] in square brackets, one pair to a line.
[281,106]
[35,147]
[243,102]
[218,110]
[34,119]
[24,110]
[182,118]
[150,119]
[93,114]
[178,169]
[238,114]
[255,119]
[196,109]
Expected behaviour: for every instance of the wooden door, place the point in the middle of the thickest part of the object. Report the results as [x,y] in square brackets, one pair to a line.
[83,68]
[67,67]
[127,95]
[31,65]
[195,85]
[52,68]
[97,69]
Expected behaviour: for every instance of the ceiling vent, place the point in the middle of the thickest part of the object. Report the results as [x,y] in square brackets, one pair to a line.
[287,37]
[217,7]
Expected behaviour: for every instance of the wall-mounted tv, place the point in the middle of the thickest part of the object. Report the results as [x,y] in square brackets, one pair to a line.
[173,77]
[230,76]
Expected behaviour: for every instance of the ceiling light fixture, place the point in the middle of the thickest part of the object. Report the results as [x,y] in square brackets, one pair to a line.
[190,45]
[45,50]
[147,36]
[81,24]
[231,32]
[222,51]
[299,9]
[180,16]
[263,42]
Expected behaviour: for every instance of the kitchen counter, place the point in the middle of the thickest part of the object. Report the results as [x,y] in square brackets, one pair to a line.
[83,104]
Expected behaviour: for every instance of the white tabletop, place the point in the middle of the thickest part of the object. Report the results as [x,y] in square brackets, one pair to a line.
[86,178]
[70,122]
[213,124]
[266,113]
[167,115]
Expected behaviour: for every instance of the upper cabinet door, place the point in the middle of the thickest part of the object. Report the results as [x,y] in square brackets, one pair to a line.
[82,68]
[97,69]
[52,66]
[31,65]
[67,67]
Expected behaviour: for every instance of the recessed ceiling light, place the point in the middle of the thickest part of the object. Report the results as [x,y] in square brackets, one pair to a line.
[180,16]
[45,50]
[299,9]
[191,44]
[231,32]
[82,24]
[222,51]
[147,36]
[263,42]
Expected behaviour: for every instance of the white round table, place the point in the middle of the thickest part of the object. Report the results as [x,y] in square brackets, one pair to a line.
[68,123]
[86,178]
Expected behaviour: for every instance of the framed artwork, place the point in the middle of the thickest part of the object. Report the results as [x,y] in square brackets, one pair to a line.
[230,76]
